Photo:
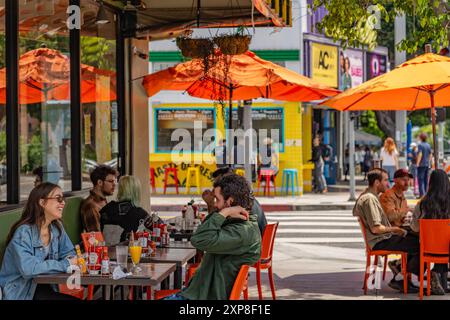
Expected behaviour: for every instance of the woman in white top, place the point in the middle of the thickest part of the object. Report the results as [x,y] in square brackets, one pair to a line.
[389,157]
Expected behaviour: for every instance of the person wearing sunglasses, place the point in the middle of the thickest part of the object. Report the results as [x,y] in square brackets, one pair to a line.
[37,244]
[104,180]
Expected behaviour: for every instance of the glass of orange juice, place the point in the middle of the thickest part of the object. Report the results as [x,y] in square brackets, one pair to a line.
[135,253]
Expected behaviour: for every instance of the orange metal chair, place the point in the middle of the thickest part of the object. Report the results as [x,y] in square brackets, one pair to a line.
[265,261]
[239,287]
[434,247]
[240,284]
[190,270]
[382,253]
[77,293]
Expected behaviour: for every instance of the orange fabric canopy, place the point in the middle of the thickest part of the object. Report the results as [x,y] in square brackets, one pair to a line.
[44,74]
[248,76]
[407,87]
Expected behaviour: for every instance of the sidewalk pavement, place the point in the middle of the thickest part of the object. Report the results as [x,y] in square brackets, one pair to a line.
[307,202]
[336,199]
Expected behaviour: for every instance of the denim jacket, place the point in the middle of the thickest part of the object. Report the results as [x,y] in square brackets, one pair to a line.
[25,258]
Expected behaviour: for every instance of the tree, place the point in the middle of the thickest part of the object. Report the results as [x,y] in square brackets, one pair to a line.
[353,22]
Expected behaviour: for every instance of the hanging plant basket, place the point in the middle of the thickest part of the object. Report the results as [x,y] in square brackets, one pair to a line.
[195,48]
[233,44]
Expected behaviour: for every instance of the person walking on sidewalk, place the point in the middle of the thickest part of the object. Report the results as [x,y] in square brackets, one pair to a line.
[435,205]
[423,163]
[317,159]
[380,234]
[389,157]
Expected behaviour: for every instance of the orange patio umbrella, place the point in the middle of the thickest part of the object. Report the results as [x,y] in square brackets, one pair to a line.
[44,74]
[237,77]
[420,83]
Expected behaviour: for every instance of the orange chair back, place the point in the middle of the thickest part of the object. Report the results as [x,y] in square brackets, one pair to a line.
[363,230]
[240,283]
[435,236]
[85,237]
[268,240]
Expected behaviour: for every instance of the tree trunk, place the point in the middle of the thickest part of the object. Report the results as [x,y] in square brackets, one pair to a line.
[386,122]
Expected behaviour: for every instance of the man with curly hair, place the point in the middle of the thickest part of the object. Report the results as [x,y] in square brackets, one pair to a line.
[209,198]
[229,237]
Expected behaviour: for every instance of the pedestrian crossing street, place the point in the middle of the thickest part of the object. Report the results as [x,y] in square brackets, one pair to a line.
[336,228]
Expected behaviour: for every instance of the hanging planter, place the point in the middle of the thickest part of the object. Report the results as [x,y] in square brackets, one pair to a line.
[233,44]
[195,48]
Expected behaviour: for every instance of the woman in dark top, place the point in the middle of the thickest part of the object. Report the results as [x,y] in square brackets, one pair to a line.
[126,211]
[435,205]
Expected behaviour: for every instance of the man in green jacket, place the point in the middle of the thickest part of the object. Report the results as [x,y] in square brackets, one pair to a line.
[230,238]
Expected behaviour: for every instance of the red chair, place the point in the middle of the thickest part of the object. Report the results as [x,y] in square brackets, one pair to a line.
[174,171]
[434,247]
[385,254]
[152,179]
[239,287]
[77,293]
[190,271]
[240,284]
[268,174]
[265,261]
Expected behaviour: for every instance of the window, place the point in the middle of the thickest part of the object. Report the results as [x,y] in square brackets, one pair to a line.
[168,120]
[265,118]
[44,93]
[100,128]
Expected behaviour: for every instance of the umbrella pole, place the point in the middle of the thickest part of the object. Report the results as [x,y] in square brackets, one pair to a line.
[433,124]
[230,127]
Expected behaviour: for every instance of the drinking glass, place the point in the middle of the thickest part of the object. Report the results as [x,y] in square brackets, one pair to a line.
[135,252]
[122,256]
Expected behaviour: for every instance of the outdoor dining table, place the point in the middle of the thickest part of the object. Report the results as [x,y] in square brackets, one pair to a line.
[179,256]
[152,274]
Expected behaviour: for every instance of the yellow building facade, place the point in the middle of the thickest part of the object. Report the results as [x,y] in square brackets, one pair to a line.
[293,120]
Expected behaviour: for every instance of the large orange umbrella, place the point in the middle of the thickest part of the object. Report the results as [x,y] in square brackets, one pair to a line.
[44,74]
[420,83]
[237,77]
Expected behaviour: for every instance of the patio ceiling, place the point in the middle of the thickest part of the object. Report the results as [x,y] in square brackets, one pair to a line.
[169,18]
[156,19]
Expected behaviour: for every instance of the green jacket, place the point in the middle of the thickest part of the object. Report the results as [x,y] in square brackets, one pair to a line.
[228,244]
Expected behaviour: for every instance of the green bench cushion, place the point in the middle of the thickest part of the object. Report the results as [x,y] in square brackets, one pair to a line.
[71,222]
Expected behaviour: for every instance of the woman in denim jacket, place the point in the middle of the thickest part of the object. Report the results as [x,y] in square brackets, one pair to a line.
[37,244]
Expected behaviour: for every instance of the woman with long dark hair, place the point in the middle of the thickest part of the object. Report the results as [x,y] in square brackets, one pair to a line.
[37,244]
[435,205]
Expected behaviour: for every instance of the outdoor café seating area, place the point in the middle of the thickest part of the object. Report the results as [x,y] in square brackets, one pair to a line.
[149,265]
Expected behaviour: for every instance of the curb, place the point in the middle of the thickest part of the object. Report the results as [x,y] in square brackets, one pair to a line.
[273,207]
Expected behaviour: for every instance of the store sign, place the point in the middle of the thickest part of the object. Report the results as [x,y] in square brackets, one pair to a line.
[324,62]
[263,114]
[185,115]
[376,64]
[351,69]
